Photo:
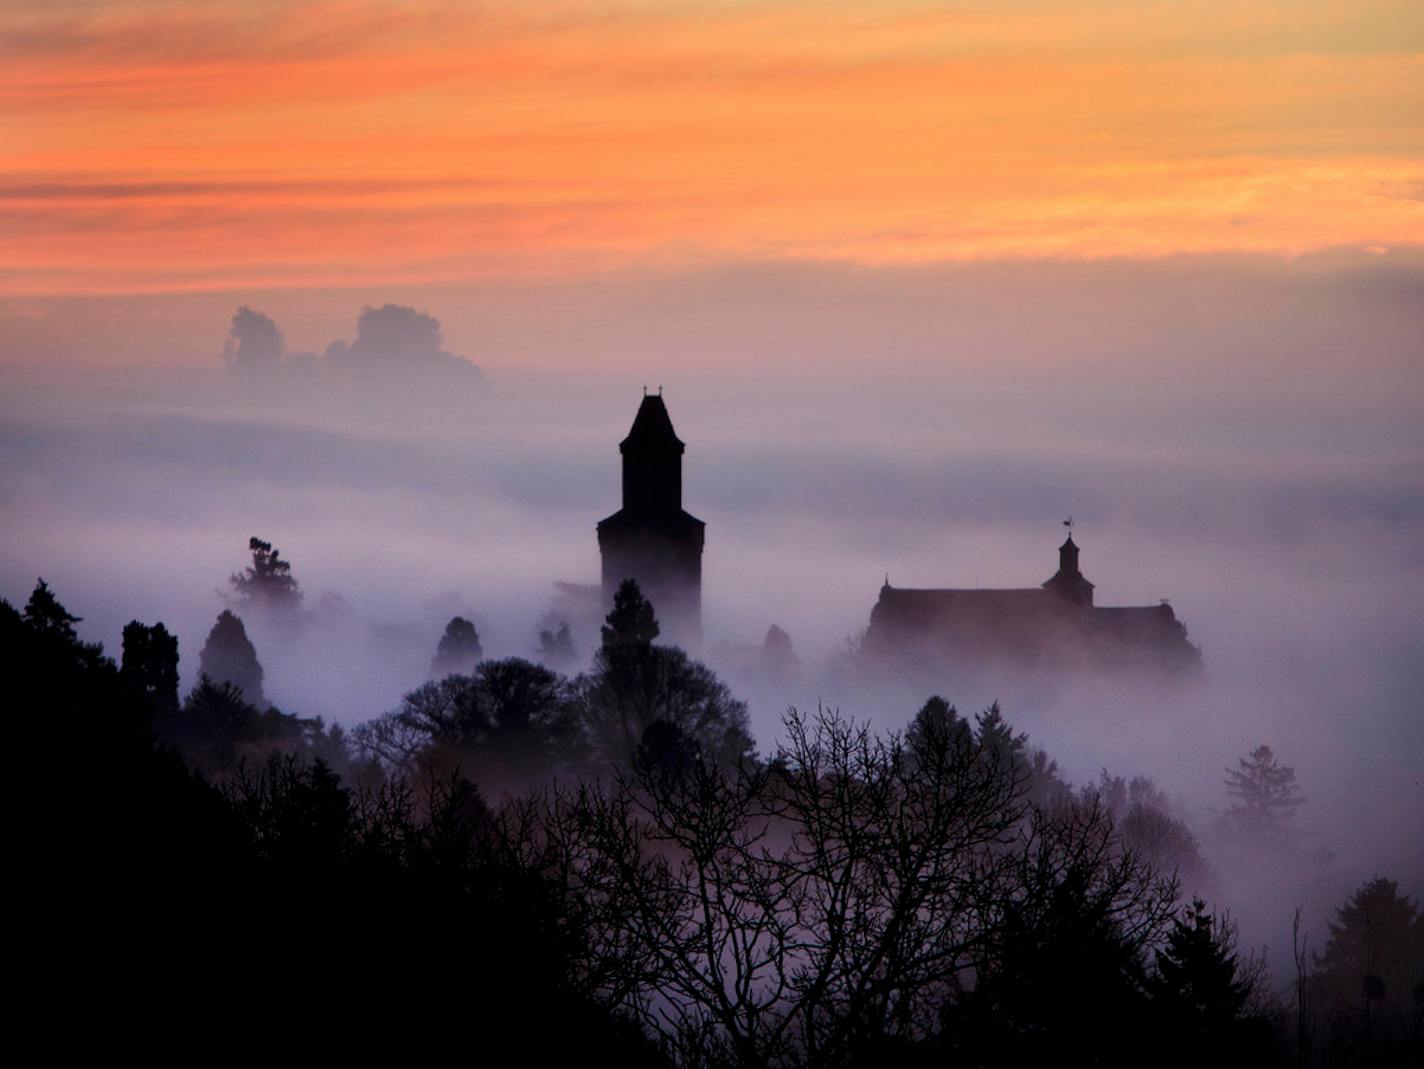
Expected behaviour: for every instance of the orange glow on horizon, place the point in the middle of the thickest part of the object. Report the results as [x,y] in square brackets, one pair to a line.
[150,148]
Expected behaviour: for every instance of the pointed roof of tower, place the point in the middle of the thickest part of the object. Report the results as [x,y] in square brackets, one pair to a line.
[652,425]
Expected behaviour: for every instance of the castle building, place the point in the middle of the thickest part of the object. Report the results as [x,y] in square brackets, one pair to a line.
[651,539]
[1054,626]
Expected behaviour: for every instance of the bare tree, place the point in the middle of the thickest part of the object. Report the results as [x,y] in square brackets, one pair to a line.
[824,906]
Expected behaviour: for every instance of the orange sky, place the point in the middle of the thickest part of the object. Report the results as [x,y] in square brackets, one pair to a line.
[162,146]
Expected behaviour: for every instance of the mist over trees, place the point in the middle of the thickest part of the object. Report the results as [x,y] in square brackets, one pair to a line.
[608,852]
[267,584]
[1264,795]
[556,647]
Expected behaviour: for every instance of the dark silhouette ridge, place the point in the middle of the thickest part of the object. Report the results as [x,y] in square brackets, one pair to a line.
[158,905]
[931,898]
[651,539]
[1052,627]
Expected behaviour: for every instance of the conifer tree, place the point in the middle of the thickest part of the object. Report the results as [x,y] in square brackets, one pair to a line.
[150,663]
[556,646]
[268,583]
[1201,992]
[1265,791]
[228,656]
[46,615]
[1377,935]
[632,622]
[459,650]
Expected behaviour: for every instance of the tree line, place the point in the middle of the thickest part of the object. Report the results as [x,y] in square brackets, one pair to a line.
[648,887]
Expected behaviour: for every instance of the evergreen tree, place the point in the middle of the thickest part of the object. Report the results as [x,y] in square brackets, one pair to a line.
[556,646]
[1378,933]
[779,662]
[459,650]
[150,663]
[635,684]
[1009,749]
[228,656]
[936,731]
[1200,994]
[45,614]
[1265,792]
[268,583]
[631,623]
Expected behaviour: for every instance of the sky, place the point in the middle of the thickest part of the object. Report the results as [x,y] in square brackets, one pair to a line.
[153,147]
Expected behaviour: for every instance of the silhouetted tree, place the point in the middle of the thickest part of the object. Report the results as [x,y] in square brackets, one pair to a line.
[556,646]
[1145,822]
[150,663]
[631,688]
[267,584]
[509,720]
[1059,972]
[45,614]
[1378,935]
[228,656]
[216,718]
[528,712]
[634,685]
[69,689]
[821,909]
[779,662]
[665,749]
[1265,794]
[459,649]
[217,729]
[1165,843]
[128,856]
[1042,782]
[632,621]
[936,720]
[1202,993]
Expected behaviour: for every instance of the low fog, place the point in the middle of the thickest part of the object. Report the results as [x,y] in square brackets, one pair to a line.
[1241,437]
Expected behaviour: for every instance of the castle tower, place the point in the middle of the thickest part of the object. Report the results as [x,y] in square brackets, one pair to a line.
[651,539]
[1068,582]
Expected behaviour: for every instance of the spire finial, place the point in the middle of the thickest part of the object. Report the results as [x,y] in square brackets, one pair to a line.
[645,389]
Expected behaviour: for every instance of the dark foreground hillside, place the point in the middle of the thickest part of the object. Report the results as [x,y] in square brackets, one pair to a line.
[210,877]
